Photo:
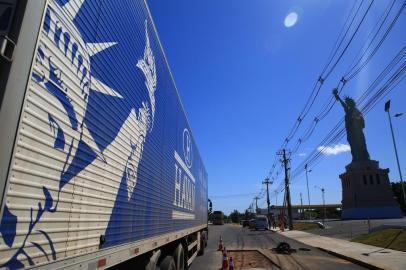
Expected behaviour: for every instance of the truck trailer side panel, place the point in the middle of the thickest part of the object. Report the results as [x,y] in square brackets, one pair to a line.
[103,155]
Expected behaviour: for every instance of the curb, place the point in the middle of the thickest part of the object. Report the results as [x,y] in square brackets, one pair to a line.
[361,263]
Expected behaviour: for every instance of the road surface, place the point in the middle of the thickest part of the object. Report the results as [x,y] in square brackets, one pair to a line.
[348,229]
[237,238]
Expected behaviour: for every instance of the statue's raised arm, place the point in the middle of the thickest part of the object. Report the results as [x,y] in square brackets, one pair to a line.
[354,125]
[335,93]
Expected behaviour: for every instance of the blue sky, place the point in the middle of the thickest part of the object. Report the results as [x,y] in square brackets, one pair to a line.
[244,77]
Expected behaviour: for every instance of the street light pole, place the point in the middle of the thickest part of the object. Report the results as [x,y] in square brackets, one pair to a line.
[324,202]
[387,107]
[256,204]
[308,192]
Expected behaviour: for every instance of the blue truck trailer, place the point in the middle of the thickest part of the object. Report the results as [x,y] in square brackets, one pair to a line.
[98,164]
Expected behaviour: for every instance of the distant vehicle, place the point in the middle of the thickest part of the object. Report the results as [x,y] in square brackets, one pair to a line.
[245,223]
[251,223]
[261,223]
[218,218]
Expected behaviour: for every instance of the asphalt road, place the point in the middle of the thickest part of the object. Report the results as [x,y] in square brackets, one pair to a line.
[237,238]
[348,229]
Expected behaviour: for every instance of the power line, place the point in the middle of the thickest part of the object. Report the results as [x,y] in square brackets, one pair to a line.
[350,75]
[352,37]
[232,195]
[338,131]
[317,86]
[335,135]
[365,49]
[331,101]
[335,47]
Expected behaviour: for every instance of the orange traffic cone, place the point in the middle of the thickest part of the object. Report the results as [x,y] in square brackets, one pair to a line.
[220,244]
[231,264]
[224,265]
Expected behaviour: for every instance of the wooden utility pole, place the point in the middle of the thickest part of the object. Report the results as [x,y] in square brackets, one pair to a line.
[285,162]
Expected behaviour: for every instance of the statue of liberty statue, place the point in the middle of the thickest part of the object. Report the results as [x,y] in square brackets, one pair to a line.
[354,125]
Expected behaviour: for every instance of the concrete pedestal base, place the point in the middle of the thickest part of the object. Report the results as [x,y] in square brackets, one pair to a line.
[367,192]
[371,213]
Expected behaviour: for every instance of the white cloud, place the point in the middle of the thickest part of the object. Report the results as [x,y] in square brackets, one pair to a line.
[302,154]
[334,150]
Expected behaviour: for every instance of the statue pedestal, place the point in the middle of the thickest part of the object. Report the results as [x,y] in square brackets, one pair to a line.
[367,192]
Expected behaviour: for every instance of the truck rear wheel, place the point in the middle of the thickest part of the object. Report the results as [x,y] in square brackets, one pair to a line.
[202,244]
[179,256]
[168,263]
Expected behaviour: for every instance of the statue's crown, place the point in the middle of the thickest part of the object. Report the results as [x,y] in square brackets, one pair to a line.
[349,100]
[147,65]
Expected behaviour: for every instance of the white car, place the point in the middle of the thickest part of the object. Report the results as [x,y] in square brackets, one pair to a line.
[261,223]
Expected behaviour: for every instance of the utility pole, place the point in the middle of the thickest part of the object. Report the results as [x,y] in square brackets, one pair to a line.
[285,163]
[308,192]
[387,107]
[267,182]
[301,205]
[256,204]
[276,197]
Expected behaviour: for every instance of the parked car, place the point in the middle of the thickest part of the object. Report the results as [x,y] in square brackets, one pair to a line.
[245,223]
[261,223]
[251,224]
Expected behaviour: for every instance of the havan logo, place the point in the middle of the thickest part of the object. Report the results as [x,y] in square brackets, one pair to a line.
[187,148]
[184,181]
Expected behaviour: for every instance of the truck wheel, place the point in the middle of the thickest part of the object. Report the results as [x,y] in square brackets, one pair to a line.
[203,243]
[206,238]
[179,256]
[167,263]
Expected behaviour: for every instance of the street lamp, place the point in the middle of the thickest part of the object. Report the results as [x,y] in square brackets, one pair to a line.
[324,202]
[387,107]
[308,193]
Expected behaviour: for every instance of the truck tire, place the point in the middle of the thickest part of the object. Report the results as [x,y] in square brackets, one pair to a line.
[179,257]
[202,244]
[168,263]
[205,235]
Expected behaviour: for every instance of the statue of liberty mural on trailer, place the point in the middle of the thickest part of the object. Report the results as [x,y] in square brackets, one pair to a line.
[354,125]
[81,120]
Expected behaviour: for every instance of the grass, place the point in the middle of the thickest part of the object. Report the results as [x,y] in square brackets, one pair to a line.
[305,226]
[384,239]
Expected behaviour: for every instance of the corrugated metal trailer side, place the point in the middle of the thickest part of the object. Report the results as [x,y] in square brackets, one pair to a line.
[98,161]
